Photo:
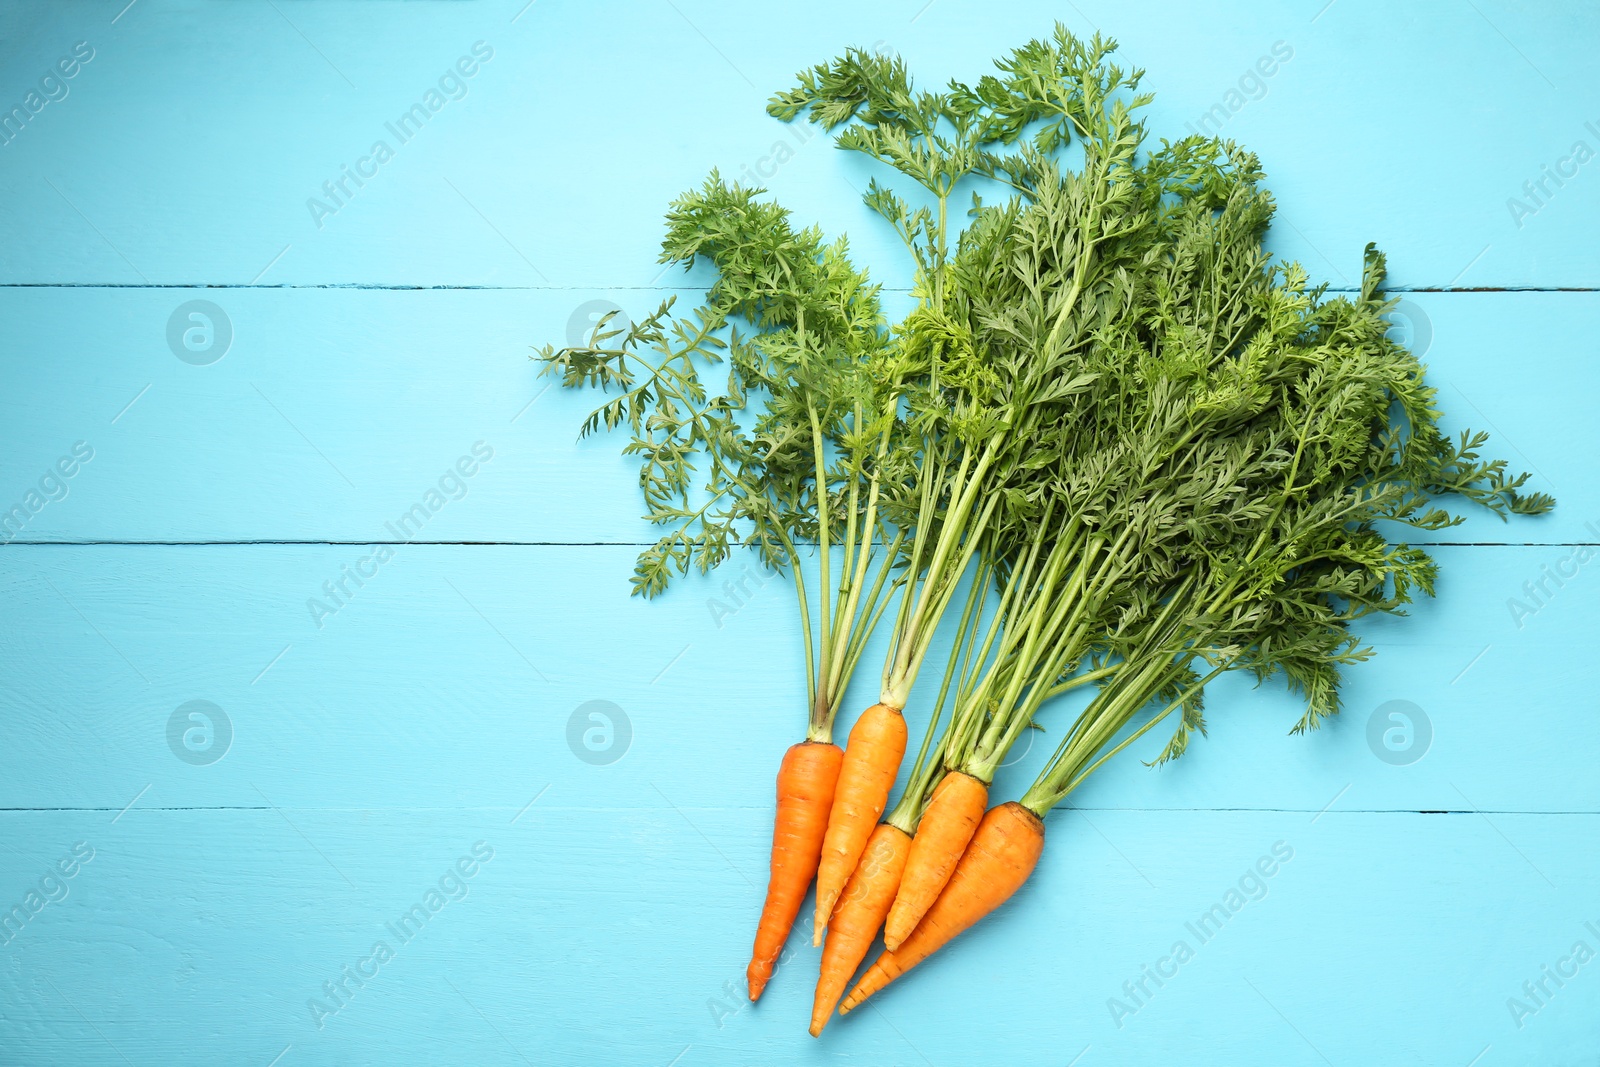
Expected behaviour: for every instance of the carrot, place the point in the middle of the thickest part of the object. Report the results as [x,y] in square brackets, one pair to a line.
[871,761]
[947,825]
[1002,855]
[855,922]
[805,795]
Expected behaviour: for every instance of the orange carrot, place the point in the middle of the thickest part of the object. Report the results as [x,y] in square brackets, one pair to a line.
[805,795]
[855,922]
[1002,855]
[871,761]
[947,825]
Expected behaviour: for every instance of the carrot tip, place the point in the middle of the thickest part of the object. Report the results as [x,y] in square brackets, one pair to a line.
[819,925]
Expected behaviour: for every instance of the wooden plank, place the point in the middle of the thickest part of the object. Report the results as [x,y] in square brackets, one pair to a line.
[454,674]
[597,934]
[268,788]
[333,412]
[550,164]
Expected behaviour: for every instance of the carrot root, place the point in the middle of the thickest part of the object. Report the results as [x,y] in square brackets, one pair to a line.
[871,761]
[998,861]
[806,781]
[855,921]
[947,826]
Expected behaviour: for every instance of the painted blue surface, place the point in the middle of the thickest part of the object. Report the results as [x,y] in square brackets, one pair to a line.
[417,740]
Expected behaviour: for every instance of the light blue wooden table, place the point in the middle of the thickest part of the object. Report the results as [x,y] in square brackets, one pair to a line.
[366,348]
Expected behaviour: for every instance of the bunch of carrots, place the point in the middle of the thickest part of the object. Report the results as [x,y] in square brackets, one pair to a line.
[1112,445]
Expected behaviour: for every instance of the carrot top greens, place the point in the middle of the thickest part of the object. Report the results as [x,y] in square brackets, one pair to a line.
[1135,450]
[986,414]
[809,468]
[1180,451]
[1146,453]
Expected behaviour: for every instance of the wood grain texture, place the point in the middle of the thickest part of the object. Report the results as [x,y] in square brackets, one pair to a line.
[334,411]
[490,683]
[170,165]
[450,677]
[605,936]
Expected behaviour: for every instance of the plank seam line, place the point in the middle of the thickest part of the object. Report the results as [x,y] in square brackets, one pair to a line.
[1127,810]
[398,287]
[610,544]
[333,544]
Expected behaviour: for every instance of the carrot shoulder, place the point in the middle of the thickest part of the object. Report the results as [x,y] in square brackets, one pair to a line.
[855,921]
[806,782]
[998,861]
[871,761]
[947,825]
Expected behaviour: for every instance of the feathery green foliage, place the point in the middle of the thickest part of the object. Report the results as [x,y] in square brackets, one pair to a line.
[1160,454]
[808,469]
[1184,449]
